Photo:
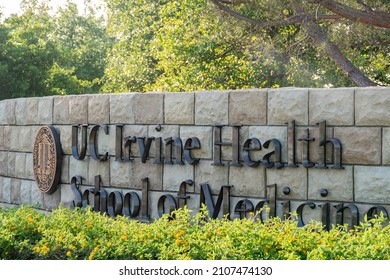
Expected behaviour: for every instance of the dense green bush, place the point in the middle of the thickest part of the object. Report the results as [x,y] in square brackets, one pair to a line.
[83,234]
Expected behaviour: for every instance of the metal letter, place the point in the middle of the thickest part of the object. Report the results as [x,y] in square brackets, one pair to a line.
[74,184]
[300,212]
[145,200]
[291,143]
[277,152]
[374,212]
[252,144]
[118,142]
[243,207]
[115,204]
[222,200]
[218,143]
[260,208]
[354,214]
[158,155]
[75,137]
[144,149]
[100,197]
[92,142]
[271,196]
[325,215]
[131,205]
[182,195]
[190,144]
[170,200]
[305,149]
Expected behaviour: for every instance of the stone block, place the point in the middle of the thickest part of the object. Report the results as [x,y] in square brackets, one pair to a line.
[4,163]
[25,192]
[248,107]
[21,111]
[287,103]
[7,190]
[205,136]
[32,110]
[11,134]
[61,110]
[149,108]
[338,183]
[15,191]
[45,110]
[154,172]
[11,164]
[122,108]
[52,201]
[36,196]
[371,106]
[29,166]
[1,189]
[264,133]
[67,196]
[211,108]
[101,168]
[98,109]
[293,177]
[78,168]
[78,109]
[71,109]
[386,146]
[247,181]
[65,178]
[7,112]
[26,138]
[372,184]
[3,113]
[121,173]
[336,106]
[2,138]
[175,174]
[65,132]
[214,176]
[179,108]
[360,145]
[20,165]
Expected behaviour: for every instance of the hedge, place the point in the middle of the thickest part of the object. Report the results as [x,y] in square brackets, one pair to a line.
[84,234]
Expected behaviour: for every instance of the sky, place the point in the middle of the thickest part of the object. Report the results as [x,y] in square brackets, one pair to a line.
[12,6]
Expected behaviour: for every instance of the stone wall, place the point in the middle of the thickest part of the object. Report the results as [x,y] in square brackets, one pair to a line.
[358,117]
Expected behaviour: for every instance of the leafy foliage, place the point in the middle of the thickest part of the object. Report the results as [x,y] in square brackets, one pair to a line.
[84,234]
[46,54]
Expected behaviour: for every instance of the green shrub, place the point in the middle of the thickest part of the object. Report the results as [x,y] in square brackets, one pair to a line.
[83,234]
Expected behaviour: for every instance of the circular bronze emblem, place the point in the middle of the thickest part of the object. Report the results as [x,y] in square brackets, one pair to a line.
[47,159]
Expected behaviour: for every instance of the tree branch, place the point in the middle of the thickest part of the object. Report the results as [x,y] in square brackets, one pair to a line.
[332,50]
[296,19]
[374,17]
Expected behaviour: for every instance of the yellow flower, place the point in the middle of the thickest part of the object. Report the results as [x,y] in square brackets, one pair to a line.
[109,244]
[178,241]
[30,220]
[88,223]
[68,253]
[37,249]
[123,237]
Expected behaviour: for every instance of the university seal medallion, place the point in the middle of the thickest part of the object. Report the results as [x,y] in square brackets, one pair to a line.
[47,157]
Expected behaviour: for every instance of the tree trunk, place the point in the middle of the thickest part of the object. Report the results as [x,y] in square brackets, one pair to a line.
[331,49]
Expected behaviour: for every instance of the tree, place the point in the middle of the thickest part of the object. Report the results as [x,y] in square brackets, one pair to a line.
[315,17]
[42,53]
[179,46]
